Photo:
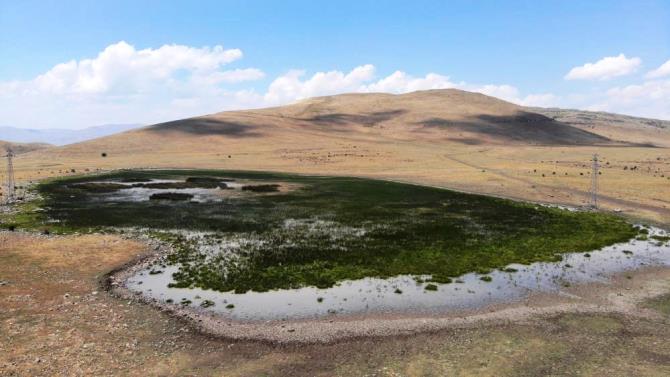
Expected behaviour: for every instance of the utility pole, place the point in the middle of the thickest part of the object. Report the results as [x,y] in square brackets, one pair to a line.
[595,171]
[11,184]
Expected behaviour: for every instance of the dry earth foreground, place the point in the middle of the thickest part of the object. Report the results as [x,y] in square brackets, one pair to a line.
[56,319]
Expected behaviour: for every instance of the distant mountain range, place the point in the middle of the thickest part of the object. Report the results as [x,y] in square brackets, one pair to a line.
[61,136]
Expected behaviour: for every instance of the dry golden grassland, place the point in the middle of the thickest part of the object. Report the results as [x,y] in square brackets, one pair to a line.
[520,172]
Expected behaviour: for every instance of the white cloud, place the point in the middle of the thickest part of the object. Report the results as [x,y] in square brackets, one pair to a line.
[650,98]
[401,82]
[505,92]
[125,84]
[662,71]
[605,68]
[290,86]
[540,100]
[122,68]
[646,99]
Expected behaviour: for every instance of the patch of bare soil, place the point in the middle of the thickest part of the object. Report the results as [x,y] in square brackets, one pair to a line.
[55,320]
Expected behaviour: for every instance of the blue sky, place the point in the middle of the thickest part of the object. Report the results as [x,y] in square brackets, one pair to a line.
[278,52]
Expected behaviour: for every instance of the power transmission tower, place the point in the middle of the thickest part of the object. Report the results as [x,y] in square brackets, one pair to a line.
[595,172]
[11,184]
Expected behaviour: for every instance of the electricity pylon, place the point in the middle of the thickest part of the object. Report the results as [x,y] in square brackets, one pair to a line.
[11,184]
[595,171]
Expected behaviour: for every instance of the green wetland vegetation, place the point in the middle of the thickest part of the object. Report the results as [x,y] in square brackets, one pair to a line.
[321,231]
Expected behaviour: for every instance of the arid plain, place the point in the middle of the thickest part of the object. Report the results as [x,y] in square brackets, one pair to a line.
[59,320]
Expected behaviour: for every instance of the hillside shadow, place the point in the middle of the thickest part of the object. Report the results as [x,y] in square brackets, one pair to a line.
[366,119]
[207,127]
[524,127]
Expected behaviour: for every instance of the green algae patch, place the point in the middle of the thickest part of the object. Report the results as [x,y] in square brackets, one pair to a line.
[328,230]
[660,304]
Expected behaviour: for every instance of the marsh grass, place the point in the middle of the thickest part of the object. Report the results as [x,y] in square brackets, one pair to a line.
[333,229]
[170,196]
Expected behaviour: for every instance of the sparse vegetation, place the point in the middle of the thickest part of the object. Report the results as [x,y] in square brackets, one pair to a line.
[171,196]
[660,304]
[207,303]
[99,187]
[261,188]
[333,229]
[661,238]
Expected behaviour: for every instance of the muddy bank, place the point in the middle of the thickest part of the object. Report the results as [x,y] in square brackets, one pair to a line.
[618,293]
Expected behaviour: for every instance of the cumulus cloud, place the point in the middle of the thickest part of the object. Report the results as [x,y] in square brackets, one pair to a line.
[605,68]
[291,86]
[123,84]
[126,84]
[401,82]
[650,98]
[506,92]
[294,86]
[122,68]
[540,100]
[662,71]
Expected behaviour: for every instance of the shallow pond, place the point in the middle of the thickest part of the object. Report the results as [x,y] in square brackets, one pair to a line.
[311,245]
[404,295]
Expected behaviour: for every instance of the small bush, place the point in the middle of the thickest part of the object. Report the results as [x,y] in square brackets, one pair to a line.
[430,287]
[207,303]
